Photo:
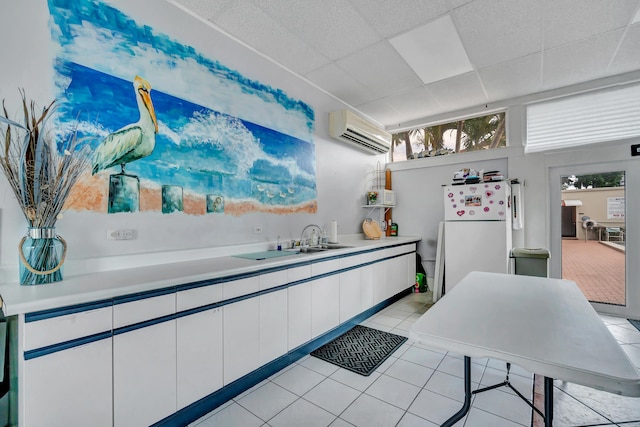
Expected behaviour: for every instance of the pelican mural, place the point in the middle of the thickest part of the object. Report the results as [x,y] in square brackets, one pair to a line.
[134,141]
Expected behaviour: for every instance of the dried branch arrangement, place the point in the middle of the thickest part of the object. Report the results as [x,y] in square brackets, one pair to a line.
[40,174]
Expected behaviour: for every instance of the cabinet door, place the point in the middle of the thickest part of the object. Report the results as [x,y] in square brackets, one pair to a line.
[411,269]
[350,289]
[299,304]
[70,387]
[199,355]
[396,275]
[380,281]
[273,325]
[241,338]
[144,374]
[325,304]
[366,287]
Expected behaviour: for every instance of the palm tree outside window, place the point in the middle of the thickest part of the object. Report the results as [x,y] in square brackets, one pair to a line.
[472,134]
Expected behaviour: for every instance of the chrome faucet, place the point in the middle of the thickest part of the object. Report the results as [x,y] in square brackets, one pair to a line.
[305,229]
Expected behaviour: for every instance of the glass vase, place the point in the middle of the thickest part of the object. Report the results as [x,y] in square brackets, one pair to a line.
[42,254]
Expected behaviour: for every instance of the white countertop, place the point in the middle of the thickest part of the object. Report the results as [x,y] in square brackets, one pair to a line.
[544,325]
[96,286]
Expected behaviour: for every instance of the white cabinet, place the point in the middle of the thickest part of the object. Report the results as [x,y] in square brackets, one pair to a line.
[379,281]
[144,362]
[199,355]
[325,304]
[299,314]
[350,291]
[299,306]
[70,387]
[77,377]
[199,344]
[411,269]
[169,349]
[241,342]
[366,287]
[396,274]
[273,325]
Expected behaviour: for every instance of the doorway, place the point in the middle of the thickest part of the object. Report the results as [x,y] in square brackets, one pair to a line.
[568,219]
[590,236]
[596,261]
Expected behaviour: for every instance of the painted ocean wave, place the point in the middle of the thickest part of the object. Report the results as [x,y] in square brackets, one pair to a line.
[96,35]
[199,149]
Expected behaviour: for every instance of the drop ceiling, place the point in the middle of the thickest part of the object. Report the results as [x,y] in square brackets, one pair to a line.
[352,48]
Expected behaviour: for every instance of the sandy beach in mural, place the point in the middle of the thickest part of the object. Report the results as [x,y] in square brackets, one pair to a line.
[91,194]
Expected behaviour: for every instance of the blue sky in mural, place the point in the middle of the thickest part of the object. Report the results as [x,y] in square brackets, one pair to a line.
[265,154]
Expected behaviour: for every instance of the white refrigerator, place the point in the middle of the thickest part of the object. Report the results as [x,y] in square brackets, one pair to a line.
[477,229]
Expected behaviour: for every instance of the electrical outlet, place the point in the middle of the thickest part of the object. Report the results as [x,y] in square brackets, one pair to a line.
[257,229]
[123,234]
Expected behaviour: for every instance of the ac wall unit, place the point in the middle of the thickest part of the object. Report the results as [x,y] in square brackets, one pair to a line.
[347,127]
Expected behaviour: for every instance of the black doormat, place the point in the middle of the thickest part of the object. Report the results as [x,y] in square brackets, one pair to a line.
[635,323]
[360,349]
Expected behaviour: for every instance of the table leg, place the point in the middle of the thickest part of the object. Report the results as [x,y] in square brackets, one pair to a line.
[467,395]
[548,402]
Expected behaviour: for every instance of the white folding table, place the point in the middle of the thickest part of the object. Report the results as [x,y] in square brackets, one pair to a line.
[544,325]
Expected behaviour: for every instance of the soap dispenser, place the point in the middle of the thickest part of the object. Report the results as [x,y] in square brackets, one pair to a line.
[314,238]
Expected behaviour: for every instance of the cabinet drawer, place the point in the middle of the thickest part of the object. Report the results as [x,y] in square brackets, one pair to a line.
[352,261]
[399,250]
[323,267]
[272,280]
[198,297]
[240,287]
[298,273]
[41,333]
[141,310]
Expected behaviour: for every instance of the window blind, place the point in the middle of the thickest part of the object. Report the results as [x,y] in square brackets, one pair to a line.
[583,119]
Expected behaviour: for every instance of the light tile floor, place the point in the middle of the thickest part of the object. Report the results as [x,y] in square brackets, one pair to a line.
[417,386]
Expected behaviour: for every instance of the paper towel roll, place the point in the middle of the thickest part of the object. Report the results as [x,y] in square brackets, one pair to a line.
[333,232]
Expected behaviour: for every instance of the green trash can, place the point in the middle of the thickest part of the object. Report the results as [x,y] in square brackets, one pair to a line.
[530,262]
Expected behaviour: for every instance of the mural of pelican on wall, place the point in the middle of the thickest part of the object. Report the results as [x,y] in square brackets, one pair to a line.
[134,141]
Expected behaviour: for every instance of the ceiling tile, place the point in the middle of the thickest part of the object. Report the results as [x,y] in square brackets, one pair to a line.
[458,92]
[381,69]
[579,62]
[413,104]
[391,17]
[434,50]
[339,45]
[567,21]
[628,56]
[336,81]
[495,31]
[333,27]
[513,78]
[380,108]
[251,25]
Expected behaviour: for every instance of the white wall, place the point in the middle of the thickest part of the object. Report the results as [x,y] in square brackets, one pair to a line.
[26,54]
[420,206]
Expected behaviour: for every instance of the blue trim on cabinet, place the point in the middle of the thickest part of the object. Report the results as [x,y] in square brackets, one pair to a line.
[63,311]
[208,403]
[54,348]
[143,295]
[51,313]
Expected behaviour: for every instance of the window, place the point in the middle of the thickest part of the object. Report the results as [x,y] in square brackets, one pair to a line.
[584,119]
[472,134]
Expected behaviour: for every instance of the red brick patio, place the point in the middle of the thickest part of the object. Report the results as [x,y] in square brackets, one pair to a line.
[597,268]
